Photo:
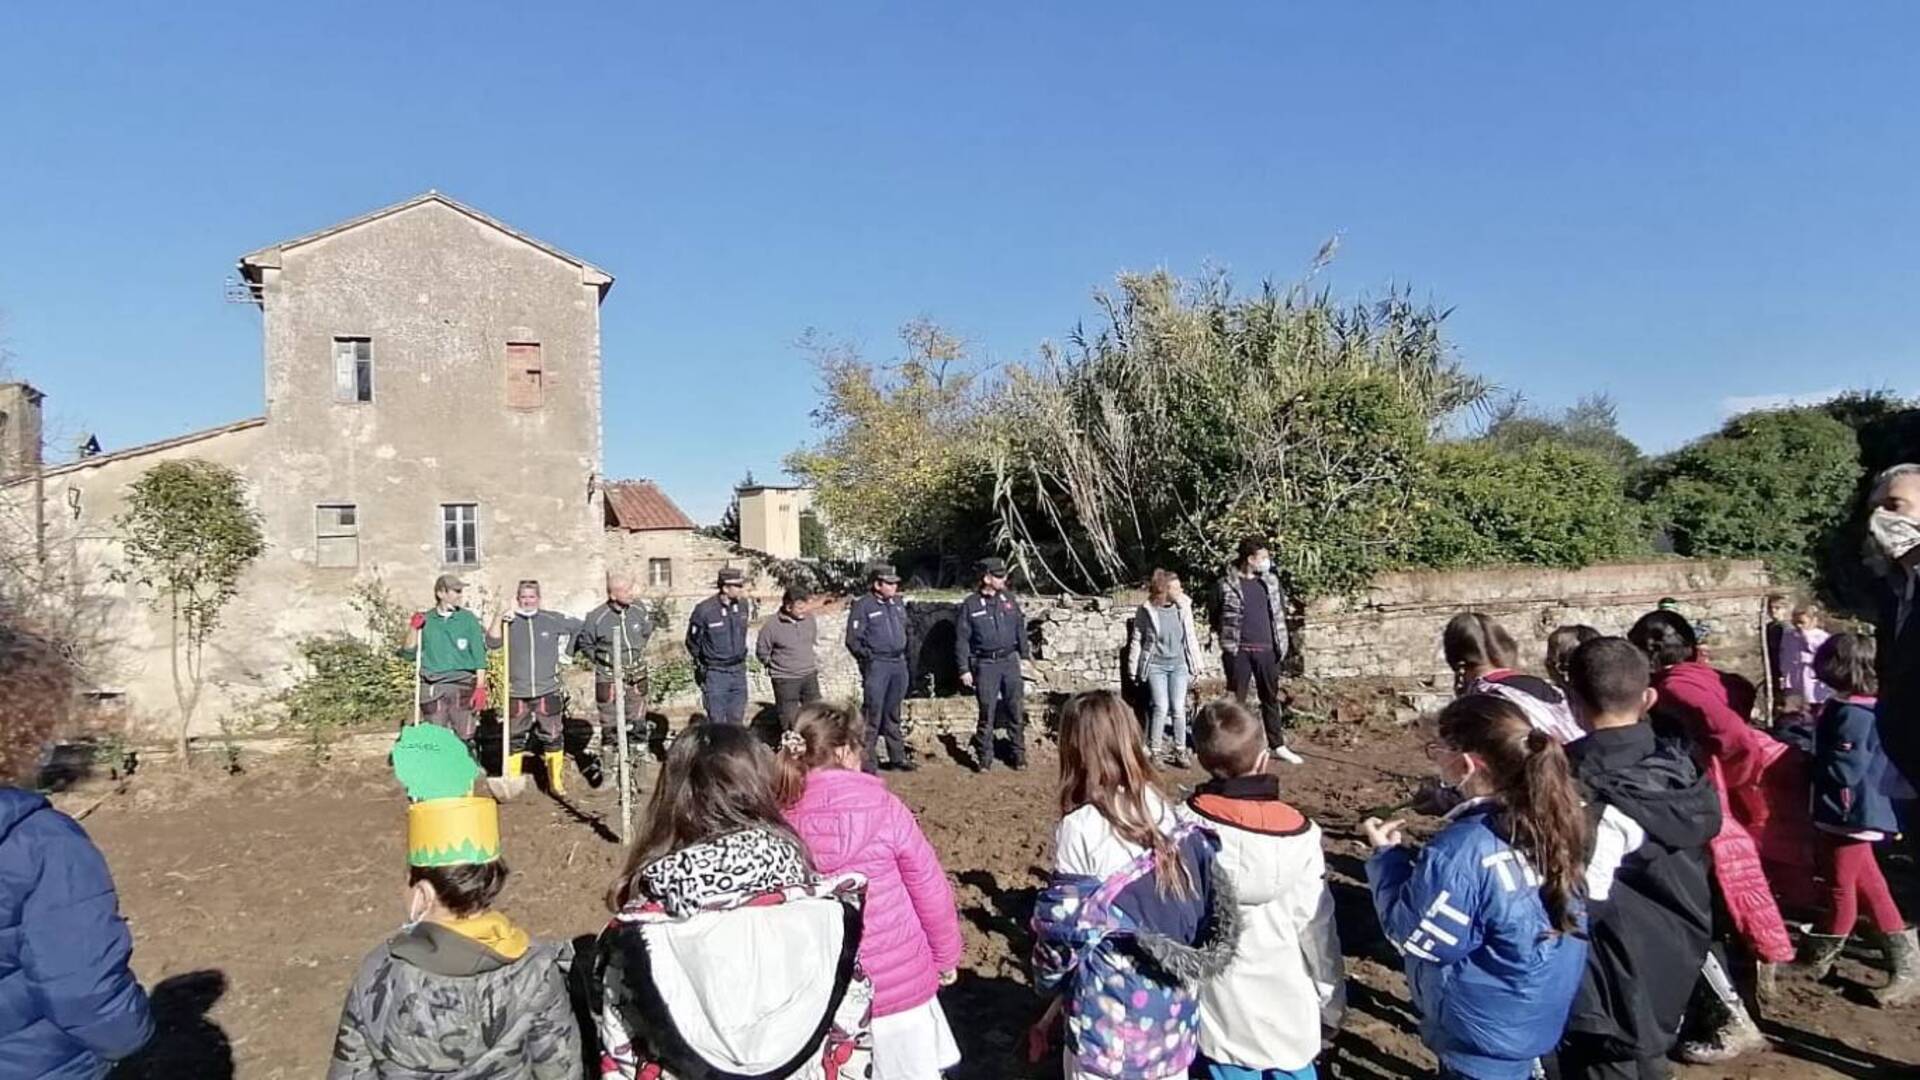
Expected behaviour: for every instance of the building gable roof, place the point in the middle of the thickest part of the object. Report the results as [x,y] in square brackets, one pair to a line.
[640,506]
[252,263]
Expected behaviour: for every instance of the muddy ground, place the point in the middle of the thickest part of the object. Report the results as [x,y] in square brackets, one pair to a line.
[253,897]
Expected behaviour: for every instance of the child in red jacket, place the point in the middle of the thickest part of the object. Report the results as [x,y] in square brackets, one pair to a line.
[850,822]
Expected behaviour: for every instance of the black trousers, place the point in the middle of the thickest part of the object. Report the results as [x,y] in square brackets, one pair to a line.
[790,694]
[1262,670]
[1588,1059]
[997,689]
[883,686]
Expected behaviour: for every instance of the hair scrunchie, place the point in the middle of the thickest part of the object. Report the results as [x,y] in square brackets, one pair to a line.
[792,742]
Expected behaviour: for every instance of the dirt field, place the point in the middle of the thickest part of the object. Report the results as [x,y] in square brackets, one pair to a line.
[253,898]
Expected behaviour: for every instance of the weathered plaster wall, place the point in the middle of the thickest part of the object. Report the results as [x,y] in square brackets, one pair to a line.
[440,295]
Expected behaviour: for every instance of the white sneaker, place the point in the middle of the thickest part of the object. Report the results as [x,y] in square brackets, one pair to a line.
[1284,754]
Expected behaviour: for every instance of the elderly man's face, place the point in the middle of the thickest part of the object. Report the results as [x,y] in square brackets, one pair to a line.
[620,592]
[528,598]
[1903,496]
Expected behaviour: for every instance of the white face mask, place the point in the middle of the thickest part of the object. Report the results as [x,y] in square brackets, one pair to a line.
[1260,566]
[1894,534]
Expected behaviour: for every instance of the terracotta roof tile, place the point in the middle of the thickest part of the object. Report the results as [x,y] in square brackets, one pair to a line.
[640,505]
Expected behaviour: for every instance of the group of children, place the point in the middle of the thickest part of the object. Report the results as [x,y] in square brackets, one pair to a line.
[783,915]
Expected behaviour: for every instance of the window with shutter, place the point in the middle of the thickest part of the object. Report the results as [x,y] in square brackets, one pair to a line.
[526,375]
[353,369]
[336,535]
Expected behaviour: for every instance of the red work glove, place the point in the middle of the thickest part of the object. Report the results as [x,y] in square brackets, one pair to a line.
[419,620]
[480,697]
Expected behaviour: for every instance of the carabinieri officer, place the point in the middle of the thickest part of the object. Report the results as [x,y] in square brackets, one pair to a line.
[877,638]
[989,641]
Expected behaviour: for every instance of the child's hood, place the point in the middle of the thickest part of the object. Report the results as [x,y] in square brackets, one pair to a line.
[461,948]
[1265,844]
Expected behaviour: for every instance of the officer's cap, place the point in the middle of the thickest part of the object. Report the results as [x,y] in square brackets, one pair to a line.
[881,571]
[732,575]
[991,565]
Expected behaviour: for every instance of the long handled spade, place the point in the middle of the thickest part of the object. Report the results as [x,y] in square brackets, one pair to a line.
[511,782]
[419,639]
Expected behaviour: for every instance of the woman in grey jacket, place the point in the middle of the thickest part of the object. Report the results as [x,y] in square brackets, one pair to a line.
[1166,656]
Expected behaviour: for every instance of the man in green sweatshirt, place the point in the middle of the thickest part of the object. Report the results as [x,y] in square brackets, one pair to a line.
[452,648]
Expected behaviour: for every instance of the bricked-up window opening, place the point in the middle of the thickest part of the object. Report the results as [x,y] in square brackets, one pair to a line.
[336,535]
[460,534]
[660,573]
[526,375]
[352,369]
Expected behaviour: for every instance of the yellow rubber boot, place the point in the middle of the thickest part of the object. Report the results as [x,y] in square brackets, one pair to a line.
[556,771]
[515,766]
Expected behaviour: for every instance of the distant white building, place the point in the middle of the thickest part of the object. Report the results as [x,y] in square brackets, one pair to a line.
[770,518]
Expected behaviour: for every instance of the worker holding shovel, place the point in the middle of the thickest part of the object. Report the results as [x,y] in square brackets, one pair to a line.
[450,654]
[535,642]
[614,636]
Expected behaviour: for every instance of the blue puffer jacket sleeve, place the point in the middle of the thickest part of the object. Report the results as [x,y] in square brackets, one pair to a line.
[71,1002]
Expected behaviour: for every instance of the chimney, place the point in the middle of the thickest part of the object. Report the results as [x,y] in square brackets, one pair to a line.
[19,429]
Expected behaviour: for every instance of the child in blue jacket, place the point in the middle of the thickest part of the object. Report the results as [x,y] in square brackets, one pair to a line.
[1852,811]
[1489,917]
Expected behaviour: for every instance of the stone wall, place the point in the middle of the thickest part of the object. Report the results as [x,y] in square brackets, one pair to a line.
[1393,628]
[1391,631]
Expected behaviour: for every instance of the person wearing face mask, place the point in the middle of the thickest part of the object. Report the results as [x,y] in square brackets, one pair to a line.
[1894,528]
[1250,619]
[537,642]
[459,990]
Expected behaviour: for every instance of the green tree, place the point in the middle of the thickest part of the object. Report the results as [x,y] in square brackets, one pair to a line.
[1194,416]
[814,543]
[900,458]
[1772,485]
[1591,424]
[189,533]
[1543,503]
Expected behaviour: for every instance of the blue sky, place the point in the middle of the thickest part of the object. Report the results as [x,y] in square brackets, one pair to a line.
[1677,204]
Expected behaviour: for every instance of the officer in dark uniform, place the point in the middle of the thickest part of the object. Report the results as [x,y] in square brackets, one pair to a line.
[717,642]
[989,641]
[877,638]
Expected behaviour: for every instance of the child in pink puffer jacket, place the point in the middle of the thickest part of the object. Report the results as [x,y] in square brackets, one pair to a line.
[850,822]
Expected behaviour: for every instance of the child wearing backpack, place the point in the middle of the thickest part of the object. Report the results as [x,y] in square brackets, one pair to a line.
[1136,914]
[1482,655]
[728,955]
[1852,812]
[1488,916]
[851,823]
[460,990]
[1262,1018]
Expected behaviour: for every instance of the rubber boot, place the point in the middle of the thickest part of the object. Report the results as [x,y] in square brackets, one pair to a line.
[516,766]
[1903,958]
[1737,1036]
[556,771]
[1818,952]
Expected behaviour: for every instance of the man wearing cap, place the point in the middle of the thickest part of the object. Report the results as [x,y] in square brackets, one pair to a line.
[989,641]
[877,638]
[536,641]
[450,646]
[786,649]
[717,642]
[620,627]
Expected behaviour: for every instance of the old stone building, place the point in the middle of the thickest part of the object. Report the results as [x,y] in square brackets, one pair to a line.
[432,405]
[656,544]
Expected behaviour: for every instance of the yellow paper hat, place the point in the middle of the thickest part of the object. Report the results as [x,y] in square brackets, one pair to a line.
[446,825]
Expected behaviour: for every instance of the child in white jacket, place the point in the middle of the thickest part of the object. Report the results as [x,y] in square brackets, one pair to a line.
[1263,1017]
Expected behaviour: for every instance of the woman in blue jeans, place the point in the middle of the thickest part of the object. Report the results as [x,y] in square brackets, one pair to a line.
[1166,656]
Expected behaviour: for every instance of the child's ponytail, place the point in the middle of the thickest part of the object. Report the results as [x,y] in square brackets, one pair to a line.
[1535,785]
[1549,825]
[818,734]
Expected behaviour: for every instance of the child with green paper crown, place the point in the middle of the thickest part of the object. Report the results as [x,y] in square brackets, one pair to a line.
[460,991]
